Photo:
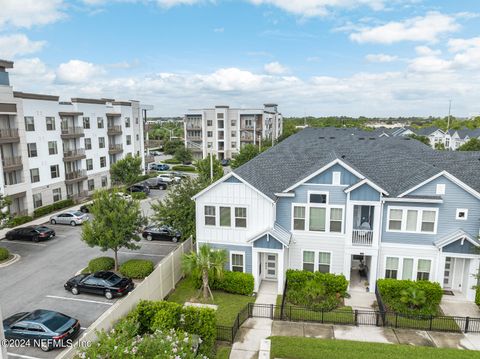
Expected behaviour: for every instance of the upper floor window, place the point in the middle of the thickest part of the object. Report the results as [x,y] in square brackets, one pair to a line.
[54,171]
[414,220]
[336,176]
[127,121]
[50,122]
[101,142]
[34,175]
[129,139]
[299,218]
[99,122]
[209,123]
[220,115]
[52,148]
[318,218]
[209,215]
[32,149]
[29,124]
[440,189]
[240,217]
[37,200]
[86,122]
[88,143]
[462,214]
[318,198]
[225,217]
[209,133]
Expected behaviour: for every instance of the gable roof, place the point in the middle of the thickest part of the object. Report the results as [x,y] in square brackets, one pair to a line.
[277,232]
[455,236]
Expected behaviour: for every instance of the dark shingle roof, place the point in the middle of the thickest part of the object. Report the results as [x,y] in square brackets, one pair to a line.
[394,163]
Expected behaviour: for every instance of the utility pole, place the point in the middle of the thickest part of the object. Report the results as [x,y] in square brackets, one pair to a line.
[449,109]
[211,167]
[254,130]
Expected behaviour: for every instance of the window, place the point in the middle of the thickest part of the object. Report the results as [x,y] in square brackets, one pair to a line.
[225,217]
[137,137]
[209,123]
[440,188]
[233,123]
[423,269]
[52,148]
[57,194]
[412,217]
[395,222]
[89,164]
[209,215]
[29,124]
[336,215]
[412,220]
[209,133]
[34,175]
[54,171]
[91,184]
[407,271]
[32,149]
[104,181]
[88,143]
[336,178]
[428,221]
[37,200]
[317,219]
[318,198]
[234,145]
[237,263]
[86,122]
[462,214]
[309,261]
[391,267]
[240,217]
[103,162]
[209,144]
[127,121]
[50,122]
[101,142]
[324,262]
[99,122]
[136,120]
[299,218]
[220,115]
[233,133]
[129,139]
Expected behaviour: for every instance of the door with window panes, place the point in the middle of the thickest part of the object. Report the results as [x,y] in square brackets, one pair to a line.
[270,266]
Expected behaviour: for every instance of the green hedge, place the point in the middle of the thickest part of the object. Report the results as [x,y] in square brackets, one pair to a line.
[390,290]
[16,221]
[4,253]
[138,195]
[101,263]
[183,168]
[137,268]
[172,161]
[42,211]
[477,296]
[235,282]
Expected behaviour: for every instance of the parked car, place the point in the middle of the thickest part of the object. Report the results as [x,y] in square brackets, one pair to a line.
[124,196]
[104,283]
[139,187]
[44,328]
[85,208]
[168,178]
[156,183]
[31,233]
[178,174]
[72,218]
[159,167]
[187,163]
[225,162]
[161,233]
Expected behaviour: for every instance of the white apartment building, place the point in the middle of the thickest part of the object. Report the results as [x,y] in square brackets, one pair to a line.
[223,130]
[53,150]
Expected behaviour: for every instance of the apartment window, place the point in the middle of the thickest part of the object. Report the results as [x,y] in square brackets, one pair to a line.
[462,214]
[103,162]
[209,133]
[29,124]
[57,194]
[50,121]
[137,137]
[299,218]
[220,115]
[234,145]
[225,217]
[209,123]
[34,175]
[336,215]
[32,149]
[240,217]
[209,144]
[395,222]
[127,121]
[233,123]
[233,134]
[391,267]
[407,270]
[423,269]
[86,122]
[324,262]
[428,221]
[440,188]
[54,171]
[91,184]
[309,261]
[317,219]
[37,200]
[52,148]
[99,122]
[88,143]
[237,262]
[101,142]
[318,198]
[136,120]
[89,164]
[129,139]
[209,215]
[104,181]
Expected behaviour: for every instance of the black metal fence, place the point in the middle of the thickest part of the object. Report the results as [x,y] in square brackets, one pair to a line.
[228,334]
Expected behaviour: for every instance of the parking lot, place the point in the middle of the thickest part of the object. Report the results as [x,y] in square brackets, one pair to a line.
[36,280]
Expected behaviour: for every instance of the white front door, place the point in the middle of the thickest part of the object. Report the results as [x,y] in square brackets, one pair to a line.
[447,274]
[270,266]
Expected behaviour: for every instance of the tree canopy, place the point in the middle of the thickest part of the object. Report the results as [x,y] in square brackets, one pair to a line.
[183,154]
[4,211]
[245,154]
[471,145]
[170,147]
[127,170]
[422,139]
[203,168]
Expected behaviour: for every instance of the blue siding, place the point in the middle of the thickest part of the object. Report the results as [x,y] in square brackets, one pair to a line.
[454,197]
[456,247]
[232,179]
[365,193]
[231,247]
[346,177]
[270,242]
[4,79]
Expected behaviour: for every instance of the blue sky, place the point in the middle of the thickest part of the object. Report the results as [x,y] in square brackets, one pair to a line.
[319,57]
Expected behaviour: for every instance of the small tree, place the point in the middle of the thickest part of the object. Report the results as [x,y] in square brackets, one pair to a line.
[246,153]
[471,145]
[203,168]
[183,154]
[439,146]
[205,264]
[127,170]
[422,139]
[170,147]
[115,223]
[4,210]
[413,297]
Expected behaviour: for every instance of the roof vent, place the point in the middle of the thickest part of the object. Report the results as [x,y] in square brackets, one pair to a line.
[371,138]
[343,157]
[332,138]
[361,138]
[321,138]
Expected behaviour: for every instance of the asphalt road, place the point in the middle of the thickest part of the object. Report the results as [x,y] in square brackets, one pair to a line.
[36,280]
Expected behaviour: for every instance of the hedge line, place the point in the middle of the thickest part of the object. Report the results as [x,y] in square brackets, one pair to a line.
[42,211]
[136,268]
[477,296]
[184,168]
[172,161]
[231,282]
[16,221]
[4,253]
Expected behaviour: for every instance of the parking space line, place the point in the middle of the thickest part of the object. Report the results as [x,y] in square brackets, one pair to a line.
[79,300]
[29,243]
[144,254]
[21,356]
[160,243]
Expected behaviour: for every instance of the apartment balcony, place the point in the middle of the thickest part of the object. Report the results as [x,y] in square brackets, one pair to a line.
[72,132]
[74,155]
[9,135]
[246,138]
[362,237]
[11,164]
[113,149]
[194,138]
[75,176]
[193,127]
[114,130]
[78,196]
[149,158]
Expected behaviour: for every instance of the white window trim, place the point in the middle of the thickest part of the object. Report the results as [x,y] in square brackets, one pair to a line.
[336,178]
[327,218]
[440,188]
[414,269]
[404,219]
[326,193]
[215,216]
[243,256]
[316,259]
[458,212]
[232,216]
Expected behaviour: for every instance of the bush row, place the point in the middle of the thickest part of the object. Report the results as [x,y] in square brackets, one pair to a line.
[333,283]
[172,161]
[138,195]
[101,263]
[231,282]
[17,221]
[137,268]
[4,254]
[183,168]
[477,296]
[42,211]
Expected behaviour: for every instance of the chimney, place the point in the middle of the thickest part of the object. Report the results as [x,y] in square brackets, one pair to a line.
[4,65]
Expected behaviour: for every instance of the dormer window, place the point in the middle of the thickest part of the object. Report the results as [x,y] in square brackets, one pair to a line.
[318,198]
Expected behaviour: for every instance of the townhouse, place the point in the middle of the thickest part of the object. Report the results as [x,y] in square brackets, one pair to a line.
[222,130]
[53,150]
[343,201]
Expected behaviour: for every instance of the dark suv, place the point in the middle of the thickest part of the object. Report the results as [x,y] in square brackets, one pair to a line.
[156,183]
[140,187]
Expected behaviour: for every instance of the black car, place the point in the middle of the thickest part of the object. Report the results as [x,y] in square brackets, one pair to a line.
[225,162]
[41,328]
[31,233]
[104,283]
[161,233]
[85,208]
[156,183]
[140,187]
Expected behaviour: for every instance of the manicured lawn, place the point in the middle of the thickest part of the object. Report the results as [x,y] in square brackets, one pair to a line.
[228,304]
[223,351]
[310,348]
[437,323]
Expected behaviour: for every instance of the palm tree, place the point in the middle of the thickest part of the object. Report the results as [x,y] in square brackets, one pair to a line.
[413,297]
[204,263]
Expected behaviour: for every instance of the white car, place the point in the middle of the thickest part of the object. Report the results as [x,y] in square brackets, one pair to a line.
[72,218]
[124,196]
[168,178]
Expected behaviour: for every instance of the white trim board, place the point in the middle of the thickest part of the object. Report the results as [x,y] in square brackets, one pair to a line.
[367,182]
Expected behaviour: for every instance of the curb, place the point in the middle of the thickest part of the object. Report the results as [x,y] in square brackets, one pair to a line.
[15,258]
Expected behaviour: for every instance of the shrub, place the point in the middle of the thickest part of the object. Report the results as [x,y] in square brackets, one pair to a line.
[42,211]
[172,161]
[137,268]
[101,263]
[183,168]
[477,296]
[235,282]
[203,322]
[4,254]
[16,221]
[167,316]
[138,195]
[145,314]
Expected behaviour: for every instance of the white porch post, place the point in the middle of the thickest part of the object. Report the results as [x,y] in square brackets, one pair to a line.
[281,273]
[372,278]
[472,280]
[440,269]
[256,275]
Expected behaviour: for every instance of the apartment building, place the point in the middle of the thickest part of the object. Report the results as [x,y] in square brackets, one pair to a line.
[53,150]
[222,130]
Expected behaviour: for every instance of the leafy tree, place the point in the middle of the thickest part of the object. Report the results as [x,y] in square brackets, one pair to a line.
[413,297]
[170,147]
[422,139]
[440,146]
[471,145]
[205,263]
[203,168]
[245,154]
[127,170]
[115,224]
[4,210]
[183,154]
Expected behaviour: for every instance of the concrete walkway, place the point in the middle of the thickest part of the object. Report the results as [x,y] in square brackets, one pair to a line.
[254,330]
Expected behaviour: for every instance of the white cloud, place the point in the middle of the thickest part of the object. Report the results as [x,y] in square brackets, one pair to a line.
[25,71]
[275,68]
[77,71]
[427,51]
[18,44]
[456,45]
[422,28]
[380,58]
[27,13]
[429,64]
[219,29]
[172,3]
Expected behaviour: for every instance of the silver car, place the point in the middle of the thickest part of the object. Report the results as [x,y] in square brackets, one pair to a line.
[72,218]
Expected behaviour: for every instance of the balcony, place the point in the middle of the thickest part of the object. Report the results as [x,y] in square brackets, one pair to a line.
[113,149]
[114,130]
[149,159]
[78,196]
[9,135]
[75,176]
[11,164]
[72,132]
[192,126]
[362,237]
[73,155]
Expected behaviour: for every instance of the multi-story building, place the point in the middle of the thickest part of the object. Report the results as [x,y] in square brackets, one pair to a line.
[222,130]
[53,150]
[337,200]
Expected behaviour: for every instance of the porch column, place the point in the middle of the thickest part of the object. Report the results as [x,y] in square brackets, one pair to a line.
[472,281]
[281,272]
[256,275]
[439,274]
[372,278]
